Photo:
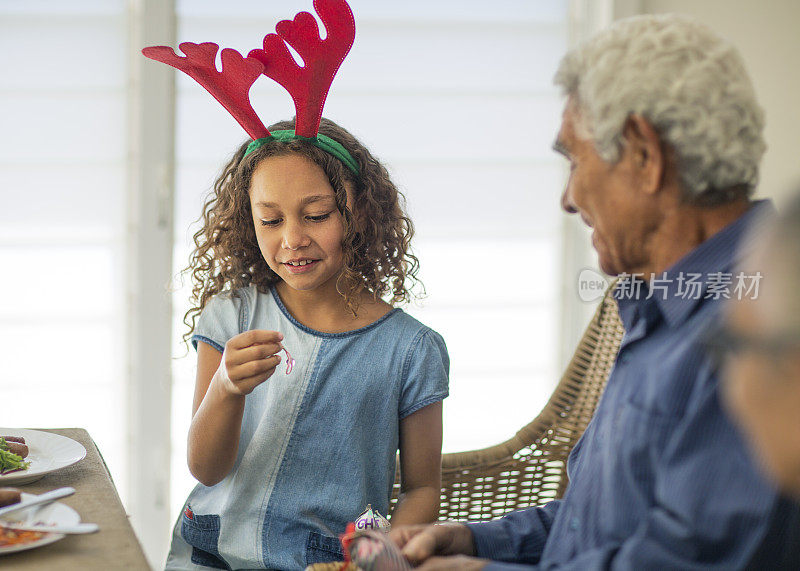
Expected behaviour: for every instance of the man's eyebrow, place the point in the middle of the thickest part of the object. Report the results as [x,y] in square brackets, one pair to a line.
[305,201]
[560,147]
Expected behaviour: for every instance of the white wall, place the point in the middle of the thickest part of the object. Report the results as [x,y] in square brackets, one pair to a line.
[767,33]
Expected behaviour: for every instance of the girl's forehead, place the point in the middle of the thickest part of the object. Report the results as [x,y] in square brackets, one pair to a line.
[288,179]
[292,180]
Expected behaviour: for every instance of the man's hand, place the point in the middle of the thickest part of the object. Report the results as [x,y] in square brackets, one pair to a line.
[421,542]
[249,360]
[453,563]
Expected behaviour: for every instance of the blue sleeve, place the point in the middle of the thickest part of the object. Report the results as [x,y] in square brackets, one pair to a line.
[220,320]
[519,536]
[425,373]
[712,509]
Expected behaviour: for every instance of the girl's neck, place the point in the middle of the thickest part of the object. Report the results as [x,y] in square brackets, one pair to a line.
[326,311]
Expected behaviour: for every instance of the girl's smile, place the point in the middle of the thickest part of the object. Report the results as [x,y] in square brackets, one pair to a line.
[299,266]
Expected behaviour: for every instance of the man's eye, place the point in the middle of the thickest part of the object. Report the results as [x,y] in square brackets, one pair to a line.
[273,222]
[319,217]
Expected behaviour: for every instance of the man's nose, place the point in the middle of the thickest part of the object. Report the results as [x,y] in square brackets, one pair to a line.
[294,237]
[566,202]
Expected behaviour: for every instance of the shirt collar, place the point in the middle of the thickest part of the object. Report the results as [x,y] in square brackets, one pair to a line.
[720,253]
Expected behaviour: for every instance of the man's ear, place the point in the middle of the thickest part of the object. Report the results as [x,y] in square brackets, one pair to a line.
[646,152]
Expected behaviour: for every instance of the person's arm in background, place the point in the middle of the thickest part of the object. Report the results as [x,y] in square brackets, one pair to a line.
[421,466]
[424,383]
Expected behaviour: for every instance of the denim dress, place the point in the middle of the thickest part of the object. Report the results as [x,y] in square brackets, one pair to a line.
[316,445]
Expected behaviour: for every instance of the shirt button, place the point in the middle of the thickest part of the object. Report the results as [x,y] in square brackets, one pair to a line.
[624,358]
[573,524]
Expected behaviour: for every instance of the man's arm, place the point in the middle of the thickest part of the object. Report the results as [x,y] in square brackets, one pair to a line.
[519,536]
[452,546]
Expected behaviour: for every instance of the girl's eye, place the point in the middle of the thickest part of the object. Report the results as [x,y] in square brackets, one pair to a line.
[319,218]
[273,222]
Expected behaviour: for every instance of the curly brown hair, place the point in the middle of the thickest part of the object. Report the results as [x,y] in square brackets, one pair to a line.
[375,247]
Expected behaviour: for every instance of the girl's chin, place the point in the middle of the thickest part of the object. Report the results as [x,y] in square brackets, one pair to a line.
[307,281]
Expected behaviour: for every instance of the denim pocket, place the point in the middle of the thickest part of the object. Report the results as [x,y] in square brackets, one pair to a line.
[323,548]
[202,533]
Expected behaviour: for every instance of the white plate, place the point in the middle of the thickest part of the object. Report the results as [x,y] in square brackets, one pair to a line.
[47,452]
[55,513]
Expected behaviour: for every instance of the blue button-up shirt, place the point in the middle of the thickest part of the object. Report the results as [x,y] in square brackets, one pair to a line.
[661,479]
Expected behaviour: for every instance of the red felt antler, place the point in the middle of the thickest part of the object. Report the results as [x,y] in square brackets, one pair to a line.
[230,87]
[308,85]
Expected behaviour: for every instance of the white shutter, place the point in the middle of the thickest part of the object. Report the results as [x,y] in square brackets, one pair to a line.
[62,224]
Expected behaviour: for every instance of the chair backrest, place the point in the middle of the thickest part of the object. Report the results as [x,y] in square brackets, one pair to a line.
[531,468]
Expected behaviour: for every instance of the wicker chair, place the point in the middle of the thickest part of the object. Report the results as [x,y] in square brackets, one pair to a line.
[530,468]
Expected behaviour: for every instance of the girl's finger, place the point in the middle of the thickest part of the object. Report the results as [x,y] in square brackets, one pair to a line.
[253,368]
[252,353]
[253,337]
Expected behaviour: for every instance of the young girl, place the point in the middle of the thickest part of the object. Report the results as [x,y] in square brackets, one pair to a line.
[298,249]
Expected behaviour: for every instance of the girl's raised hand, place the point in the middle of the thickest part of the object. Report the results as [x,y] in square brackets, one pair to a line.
[249,359]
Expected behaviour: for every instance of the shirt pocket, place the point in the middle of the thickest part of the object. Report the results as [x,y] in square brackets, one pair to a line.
[638,435]
[323,548]
[202,533]
[629,460]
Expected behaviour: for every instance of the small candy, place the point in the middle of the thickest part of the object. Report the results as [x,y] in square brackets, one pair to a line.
[371,519]
[289,361]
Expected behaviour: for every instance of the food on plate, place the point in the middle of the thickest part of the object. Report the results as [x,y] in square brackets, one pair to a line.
[14,444]
[9,460]
[18,448]
[9,496]
[9,537]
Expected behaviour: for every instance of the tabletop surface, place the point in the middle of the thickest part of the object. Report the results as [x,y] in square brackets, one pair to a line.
[113,547]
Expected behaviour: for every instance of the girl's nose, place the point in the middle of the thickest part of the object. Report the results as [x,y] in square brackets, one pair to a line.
[294,237]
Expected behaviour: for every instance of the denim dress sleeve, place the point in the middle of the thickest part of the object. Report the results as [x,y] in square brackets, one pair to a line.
[221,319]
[425,373]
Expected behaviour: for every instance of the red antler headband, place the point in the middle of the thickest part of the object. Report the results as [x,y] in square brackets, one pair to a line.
[308,84]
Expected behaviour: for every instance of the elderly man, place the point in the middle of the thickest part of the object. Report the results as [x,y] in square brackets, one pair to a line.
[664,139]
[762,339]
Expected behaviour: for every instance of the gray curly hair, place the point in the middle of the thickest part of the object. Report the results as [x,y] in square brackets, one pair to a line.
[690,84]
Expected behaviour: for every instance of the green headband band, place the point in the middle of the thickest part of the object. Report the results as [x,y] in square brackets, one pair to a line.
[321,141]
